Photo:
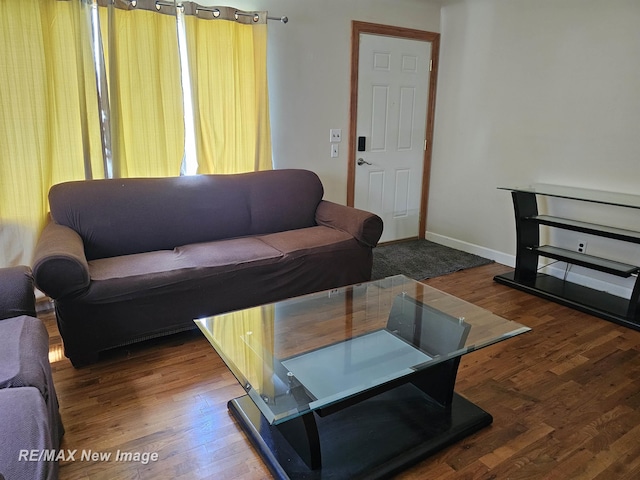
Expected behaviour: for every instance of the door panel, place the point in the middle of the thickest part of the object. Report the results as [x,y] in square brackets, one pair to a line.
[402,203]
[405,126]
[379,118]
[375,190]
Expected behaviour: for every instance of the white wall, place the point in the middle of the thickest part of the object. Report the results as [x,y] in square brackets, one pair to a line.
[309,74]
[533,91]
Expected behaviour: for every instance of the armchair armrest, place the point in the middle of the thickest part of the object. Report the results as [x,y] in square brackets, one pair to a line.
[366,227]
[16,292]
[60,267]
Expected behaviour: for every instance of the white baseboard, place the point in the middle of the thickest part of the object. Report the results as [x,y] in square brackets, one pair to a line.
[499,257]
[556,270]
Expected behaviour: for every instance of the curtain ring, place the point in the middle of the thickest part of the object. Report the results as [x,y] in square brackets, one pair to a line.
[133,3]
[256,18]
[158,6]
[216,13]
[236,15]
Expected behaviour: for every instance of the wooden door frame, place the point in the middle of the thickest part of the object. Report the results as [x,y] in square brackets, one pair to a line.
[376,29]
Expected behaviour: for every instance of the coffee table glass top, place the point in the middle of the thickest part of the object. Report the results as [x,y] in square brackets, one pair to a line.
[313,351]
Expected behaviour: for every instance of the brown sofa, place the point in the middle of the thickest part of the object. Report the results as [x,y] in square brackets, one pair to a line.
[30,424]
[131,259]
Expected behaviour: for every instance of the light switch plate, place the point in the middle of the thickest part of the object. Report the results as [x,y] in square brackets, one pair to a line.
[334,150]
[335,135]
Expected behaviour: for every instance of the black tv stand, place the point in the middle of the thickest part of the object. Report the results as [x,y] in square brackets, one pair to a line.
[528,250]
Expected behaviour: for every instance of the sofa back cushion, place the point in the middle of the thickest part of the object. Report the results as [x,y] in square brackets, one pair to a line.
[134,215]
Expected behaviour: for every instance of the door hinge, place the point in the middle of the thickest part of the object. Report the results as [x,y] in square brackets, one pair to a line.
[430,65]
[425,145]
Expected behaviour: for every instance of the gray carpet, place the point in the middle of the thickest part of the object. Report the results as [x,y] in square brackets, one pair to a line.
[421,259]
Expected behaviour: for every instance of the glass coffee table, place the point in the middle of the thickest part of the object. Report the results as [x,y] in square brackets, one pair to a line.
[356,381]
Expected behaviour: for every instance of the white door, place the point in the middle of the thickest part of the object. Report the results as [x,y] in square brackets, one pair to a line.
[393,93]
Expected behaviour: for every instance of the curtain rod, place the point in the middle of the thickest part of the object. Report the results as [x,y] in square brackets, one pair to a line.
[216,13]
[281,19]
[191,8]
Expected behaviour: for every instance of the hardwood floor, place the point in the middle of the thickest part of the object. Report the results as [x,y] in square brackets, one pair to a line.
[565,399]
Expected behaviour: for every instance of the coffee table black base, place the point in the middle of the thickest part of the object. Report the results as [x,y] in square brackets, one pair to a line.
[376,438]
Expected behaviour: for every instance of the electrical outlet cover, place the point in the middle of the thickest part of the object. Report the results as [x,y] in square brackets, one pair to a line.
[334,150]
[582,246]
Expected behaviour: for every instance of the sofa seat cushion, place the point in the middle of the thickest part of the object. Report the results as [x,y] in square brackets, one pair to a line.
[309,241]
[319,258]
[26,427]
[24,354]
[132,275]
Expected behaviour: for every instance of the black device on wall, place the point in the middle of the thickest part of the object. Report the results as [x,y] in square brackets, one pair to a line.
[361,144]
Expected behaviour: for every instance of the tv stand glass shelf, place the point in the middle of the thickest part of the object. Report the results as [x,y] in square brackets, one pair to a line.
[624,311]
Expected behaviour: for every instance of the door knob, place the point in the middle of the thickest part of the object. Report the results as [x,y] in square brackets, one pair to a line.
[362,161]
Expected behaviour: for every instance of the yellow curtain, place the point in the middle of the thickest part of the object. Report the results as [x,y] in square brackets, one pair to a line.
[49,119]
[228,66]
[43,90]
[145,92]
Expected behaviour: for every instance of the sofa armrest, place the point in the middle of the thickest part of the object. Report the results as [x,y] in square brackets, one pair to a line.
[16,292]
[365,227]
[60,267]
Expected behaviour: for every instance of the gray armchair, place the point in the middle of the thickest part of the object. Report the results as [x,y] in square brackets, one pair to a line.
[29,415]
